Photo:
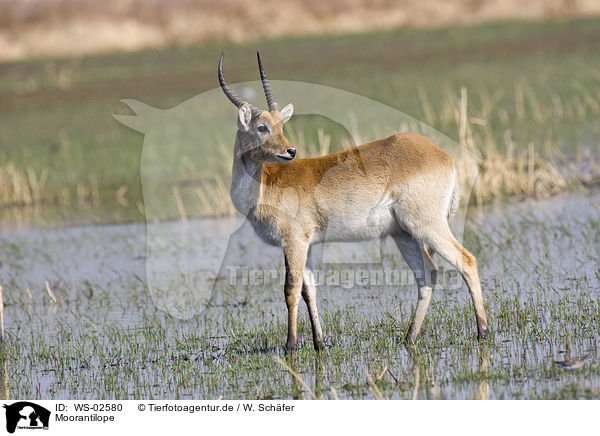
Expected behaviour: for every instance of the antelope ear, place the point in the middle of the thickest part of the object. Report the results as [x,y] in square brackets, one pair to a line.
[244,117]
[286,113]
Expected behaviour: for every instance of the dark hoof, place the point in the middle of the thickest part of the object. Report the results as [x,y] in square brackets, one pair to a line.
[290,348]
[319,345]
[483,333]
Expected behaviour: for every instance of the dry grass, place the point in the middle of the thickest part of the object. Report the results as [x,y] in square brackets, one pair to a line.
[485,172]
[21,187]
[493,174]
[27,188]
[296,376]
[59,27]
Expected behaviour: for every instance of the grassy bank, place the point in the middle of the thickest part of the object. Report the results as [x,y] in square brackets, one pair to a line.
[531,108]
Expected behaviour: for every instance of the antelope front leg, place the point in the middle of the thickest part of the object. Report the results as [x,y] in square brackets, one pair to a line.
[309,293]
[295,259]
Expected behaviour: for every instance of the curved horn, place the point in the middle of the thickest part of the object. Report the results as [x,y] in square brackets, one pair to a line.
[273,106]
[237,101]
[225,87]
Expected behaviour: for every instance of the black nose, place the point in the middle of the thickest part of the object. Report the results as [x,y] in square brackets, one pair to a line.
[291,152]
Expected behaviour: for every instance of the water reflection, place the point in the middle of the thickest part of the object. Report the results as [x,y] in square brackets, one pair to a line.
[483,388]
[4,388]
[422,375]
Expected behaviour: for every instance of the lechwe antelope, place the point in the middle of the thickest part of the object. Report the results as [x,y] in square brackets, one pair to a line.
[403,186]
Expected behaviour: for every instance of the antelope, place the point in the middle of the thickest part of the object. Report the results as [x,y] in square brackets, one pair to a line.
[401,186]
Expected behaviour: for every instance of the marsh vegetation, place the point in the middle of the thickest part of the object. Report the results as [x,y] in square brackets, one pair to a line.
[522,97]
[105,338]
[525,97]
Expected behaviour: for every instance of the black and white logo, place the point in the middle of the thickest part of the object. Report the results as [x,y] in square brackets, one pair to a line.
[26,415]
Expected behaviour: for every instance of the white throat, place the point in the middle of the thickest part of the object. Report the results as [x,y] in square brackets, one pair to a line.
[246,176]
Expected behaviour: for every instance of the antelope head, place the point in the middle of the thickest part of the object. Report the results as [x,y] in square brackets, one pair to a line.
[260,133]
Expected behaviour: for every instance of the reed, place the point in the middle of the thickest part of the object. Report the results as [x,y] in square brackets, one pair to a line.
[489,170]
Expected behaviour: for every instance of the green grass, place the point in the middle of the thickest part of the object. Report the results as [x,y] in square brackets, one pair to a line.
[537,80]
[159,357]
[105,337]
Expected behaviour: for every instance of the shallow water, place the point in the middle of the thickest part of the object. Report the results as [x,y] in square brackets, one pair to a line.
[129,321]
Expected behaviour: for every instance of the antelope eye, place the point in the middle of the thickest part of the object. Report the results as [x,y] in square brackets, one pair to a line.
[262,129]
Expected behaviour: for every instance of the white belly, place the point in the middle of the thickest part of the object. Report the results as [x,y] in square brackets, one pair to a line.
[353,227]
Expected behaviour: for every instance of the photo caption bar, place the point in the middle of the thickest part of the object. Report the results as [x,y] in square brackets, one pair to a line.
[72,417]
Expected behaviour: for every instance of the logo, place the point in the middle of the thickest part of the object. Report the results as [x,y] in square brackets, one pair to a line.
[26,415]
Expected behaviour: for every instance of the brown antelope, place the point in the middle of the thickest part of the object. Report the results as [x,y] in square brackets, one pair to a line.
[403,186]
